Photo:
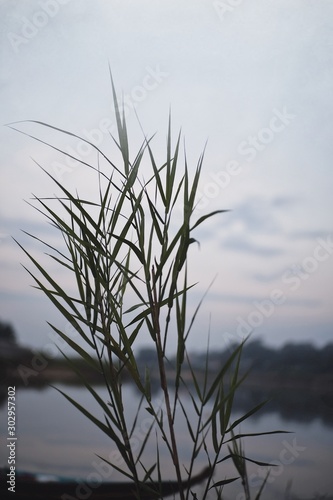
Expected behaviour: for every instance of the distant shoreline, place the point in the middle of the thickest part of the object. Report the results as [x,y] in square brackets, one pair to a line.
[58,372]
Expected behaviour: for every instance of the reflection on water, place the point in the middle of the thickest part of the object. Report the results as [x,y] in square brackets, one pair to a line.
[292,405]
[54,438]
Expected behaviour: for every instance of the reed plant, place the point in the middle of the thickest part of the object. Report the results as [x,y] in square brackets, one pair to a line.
[127,254]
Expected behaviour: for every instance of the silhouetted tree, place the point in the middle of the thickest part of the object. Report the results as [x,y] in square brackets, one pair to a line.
[7,333]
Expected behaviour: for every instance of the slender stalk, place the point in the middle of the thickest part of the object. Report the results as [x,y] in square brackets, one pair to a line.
[164,384]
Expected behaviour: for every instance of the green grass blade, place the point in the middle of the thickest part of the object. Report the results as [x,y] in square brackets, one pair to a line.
[246,416]
[262,486]
[224,482]
[204,217]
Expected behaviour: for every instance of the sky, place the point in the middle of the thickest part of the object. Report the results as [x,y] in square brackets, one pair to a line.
[252,79]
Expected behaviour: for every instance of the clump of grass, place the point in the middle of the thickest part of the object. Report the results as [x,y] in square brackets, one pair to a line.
[127,254]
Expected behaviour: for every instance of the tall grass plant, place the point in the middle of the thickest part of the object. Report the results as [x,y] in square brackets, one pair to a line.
[127,253]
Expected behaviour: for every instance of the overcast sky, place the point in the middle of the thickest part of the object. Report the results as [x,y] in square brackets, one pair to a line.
[255,80]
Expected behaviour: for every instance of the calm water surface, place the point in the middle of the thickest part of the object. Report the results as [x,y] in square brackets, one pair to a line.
[54,438]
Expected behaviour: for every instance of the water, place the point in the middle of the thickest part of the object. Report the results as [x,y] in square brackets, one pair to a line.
[54,438]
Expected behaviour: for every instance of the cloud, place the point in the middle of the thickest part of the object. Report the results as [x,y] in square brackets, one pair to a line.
[36,225]
[251,300]
[267,277]
[253,226]
[18,227]
[310,234]
[284,201]
[240,244]
[256,215]
[260,215]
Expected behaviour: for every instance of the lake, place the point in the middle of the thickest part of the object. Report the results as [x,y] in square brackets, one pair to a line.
[54,438]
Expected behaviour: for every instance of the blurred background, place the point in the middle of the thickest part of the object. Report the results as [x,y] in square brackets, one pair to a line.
[254,80]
